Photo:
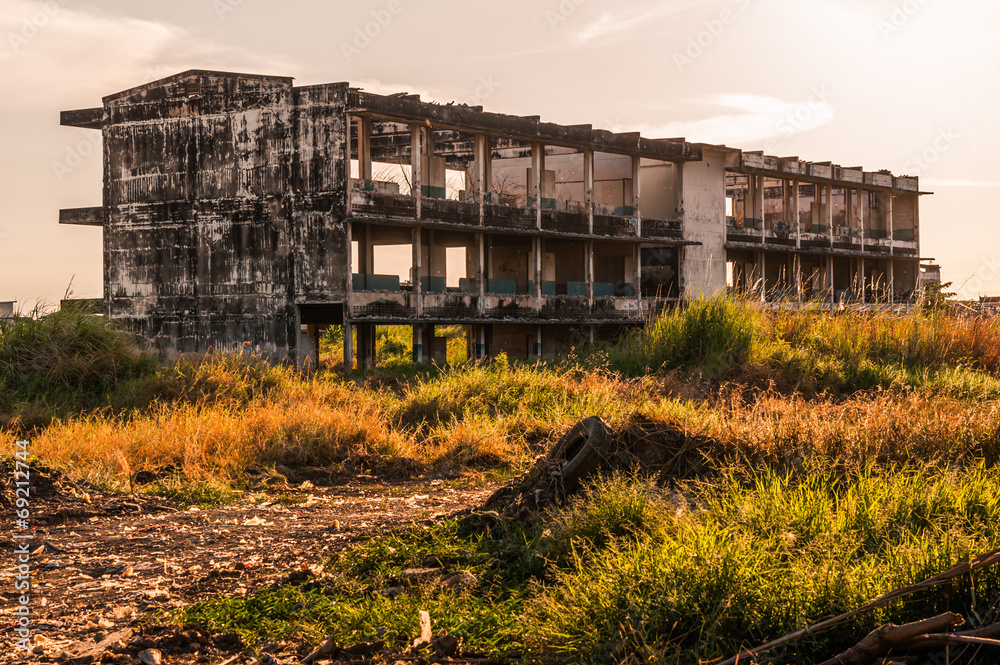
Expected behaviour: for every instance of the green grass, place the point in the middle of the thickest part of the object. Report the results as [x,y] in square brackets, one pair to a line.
[633,572]
[349,600]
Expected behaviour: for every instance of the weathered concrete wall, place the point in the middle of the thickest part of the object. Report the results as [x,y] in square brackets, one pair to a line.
[703,267]
[319,182]
[197,242]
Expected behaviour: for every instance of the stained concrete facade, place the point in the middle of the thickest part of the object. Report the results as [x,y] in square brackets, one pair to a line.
[242,211]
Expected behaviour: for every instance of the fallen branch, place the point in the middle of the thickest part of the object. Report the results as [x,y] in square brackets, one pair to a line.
[884,639]
[981,561]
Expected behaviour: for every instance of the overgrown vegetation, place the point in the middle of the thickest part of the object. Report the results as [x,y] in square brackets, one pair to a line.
[816,460]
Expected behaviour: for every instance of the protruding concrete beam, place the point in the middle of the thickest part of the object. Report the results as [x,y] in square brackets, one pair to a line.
[82,216]
[84,118]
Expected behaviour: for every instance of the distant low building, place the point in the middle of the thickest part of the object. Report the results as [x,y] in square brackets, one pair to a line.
[6,309]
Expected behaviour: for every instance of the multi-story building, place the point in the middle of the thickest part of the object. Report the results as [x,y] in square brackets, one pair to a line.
[242,210]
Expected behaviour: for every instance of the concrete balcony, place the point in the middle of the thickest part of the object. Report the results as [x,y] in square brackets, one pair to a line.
[379,206]
[400,308]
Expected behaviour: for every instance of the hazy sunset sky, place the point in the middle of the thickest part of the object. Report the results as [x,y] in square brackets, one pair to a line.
[912,86]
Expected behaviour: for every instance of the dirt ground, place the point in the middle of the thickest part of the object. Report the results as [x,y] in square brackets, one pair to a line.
[104,565]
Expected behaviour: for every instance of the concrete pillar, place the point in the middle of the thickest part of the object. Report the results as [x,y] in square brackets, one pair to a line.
[416,155]
[797,218]
[636,170]
[366,345]
[890,198]
[829,278]
[480,268]
[828,212]
[588,270]
[480,184]
[588,187]
[366,251]
[861,278]
[480,342]
[762,262]
[416,271]
[537,244]
[892,281]
[637,273]
[535,188]
[348,344]
[797,262]
[759,206]
[364,148]
[538,341]
[859,212]
[418,343]
[591,329]
[349,250]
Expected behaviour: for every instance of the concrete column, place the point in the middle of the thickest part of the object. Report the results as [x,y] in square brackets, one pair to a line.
[861,277]
[762,262]
[637,274]
[417,270]
[418,343]
[537,167]
[798,220]
[480,268]
[416,155]
[366,252]
[759,207]
[892,282]
[588,187]
[590,333]
[636,170]
[797,260]
[480,186]
[348,344]
[349,121]
[366,345]
[860,214]
[892,241]
[588,272]
[829,278]
[828,212]
[349,250]
[538,249]
[364,148]
[538,341]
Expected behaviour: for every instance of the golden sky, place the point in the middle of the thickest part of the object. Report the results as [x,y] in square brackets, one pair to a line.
[907,85]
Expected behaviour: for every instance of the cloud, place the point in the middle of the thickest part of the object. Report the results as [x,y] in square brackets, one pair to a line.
[620,24]
[77,51]
[762,119]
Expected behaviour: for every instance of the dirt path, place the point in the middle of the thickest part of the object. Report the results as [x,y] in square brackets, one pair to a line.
[104,564]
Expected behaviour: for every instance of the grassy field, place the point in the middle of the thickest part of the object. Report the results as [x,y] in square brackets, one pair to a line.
[817,460]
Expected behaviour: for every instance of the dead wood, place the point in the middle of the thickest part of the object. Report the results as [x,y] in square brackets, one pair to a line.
[886,638]
[982,561]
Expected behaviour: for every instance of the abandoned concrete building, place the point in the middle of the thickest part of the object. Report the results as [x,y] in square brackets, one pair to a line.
[240,210]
